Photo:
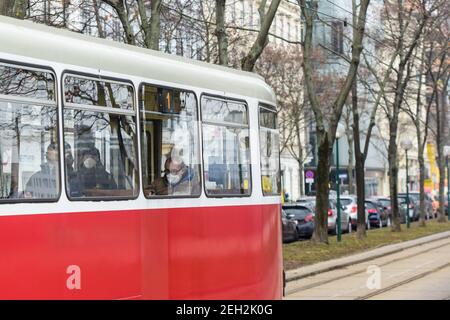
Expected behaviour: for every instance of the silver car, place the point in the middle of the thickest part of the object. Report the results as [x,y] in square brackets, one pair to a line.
[349,202]
[332,218]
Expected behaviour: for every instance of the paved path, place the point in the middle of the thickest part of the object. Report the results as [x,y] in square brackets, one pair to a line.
[420,272]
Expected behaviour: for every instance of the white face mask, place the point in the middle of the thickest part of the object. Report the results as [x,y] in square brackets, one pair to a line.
[89,163]
[173,179]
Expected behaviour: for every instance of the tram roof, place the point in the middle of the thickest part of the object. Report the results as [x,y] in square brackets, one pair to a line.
[30,39]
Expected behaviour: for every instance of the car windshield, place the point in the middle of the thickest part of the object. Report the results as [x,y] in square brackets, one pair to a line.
[298,212]
[385,202]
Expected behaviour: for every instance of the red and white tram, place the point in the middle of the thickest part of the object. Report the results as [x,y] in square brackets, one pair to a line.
[127,173]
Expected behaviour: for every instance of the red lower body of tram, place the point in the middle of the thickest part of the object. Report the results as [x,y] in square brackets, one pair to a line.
[230,252]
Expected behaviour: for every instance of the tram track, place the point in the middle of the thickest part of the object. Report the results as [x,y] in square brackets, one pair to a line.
[364,270]
[406,281]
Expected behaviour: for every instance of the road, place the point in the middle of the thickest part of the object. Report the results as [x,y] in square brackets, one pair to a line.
[421,272]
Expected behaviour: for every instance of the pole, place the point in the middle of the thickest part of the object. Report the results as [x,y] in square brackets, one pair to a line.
[339,227]
[407,191]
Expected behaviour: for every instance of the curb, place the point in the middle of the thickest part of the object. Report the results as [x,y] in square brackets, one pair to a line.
[339,263]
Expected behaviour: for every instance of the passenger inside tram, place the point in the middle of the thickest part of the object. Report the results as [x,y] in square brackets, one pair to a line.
[177,179]
[44,183]
[91,173]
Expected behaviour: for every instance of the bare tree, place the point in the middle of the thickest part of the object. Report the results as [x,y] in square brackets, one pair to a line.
[326,128]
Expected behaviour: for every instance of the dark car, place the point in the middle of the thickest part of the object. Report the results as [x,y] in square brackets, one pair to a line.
[402,208]
[378,217]
[385,204]
[414,207]
[289,228]
[304,217]
[414,196]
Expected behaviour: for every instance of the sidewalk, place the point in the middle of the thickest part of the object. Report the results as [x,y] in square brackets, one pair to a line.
[329,265]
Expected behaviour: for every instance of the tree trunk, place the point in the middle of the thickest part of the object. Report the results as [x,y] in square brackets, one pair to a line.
[20,8]
[351,189]
[221,33]
[155,24]
[393,177]
[119,7]
[359,168]
[6,7]
[422,186]
[322,188]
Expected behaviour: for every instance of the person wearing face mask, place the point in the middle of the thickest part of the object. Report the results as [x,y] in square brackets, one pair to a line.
[178,179]
[44,183]
[92,174]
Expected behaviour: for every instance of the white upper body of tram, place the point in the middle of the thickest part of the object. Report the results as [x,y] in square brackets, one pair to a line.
[63,54]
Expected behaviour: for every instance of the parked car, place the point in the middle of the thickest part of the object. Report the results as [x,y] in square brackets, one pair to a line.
[304,218]
[414,207]
[309,202]
[289,228]
[402,209]
[332,218]
[385,203]
[377,216]
[351,208]
[414,197]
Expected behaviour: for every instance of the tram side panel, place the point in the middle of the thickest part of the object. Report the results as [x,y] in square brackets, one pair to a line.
[91,255]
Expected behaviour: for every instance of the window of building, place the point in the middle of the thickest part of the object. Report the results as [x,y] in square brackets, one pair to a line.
[99,139]
[226,147]
[170,142]
[337,36]
[269,140]
[29,144]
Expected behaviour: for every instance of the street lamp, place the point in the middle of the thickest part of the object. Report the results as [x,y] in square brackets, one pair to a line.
[407,145]
[340,130]
[447,155]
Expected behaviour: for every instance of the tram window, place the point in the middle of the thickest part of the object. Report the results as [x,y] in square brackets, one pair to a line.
[269,147]
[226,147]
[100,149]
[169,142]
[29,157]
[98,93]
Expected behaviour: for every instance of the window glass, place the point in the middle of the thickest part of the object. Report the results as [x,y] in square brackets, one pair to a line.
[29,156]
[100,153]
[27,83]
[226,147]
[170,143]
[98,93]
[215,110]
[269,140]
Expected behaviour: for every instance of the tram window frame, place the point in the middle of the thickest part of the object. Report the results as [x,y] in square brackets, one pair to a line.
[224,125]
[269,108]
[141,109]
[102,109]
[17,99]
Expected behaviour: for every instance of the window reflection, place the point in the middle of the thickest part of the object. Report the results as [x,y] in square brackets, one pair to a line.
[226,147]
[26,83]
[29,157]
[98,93]
[270,151]
[99,147]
